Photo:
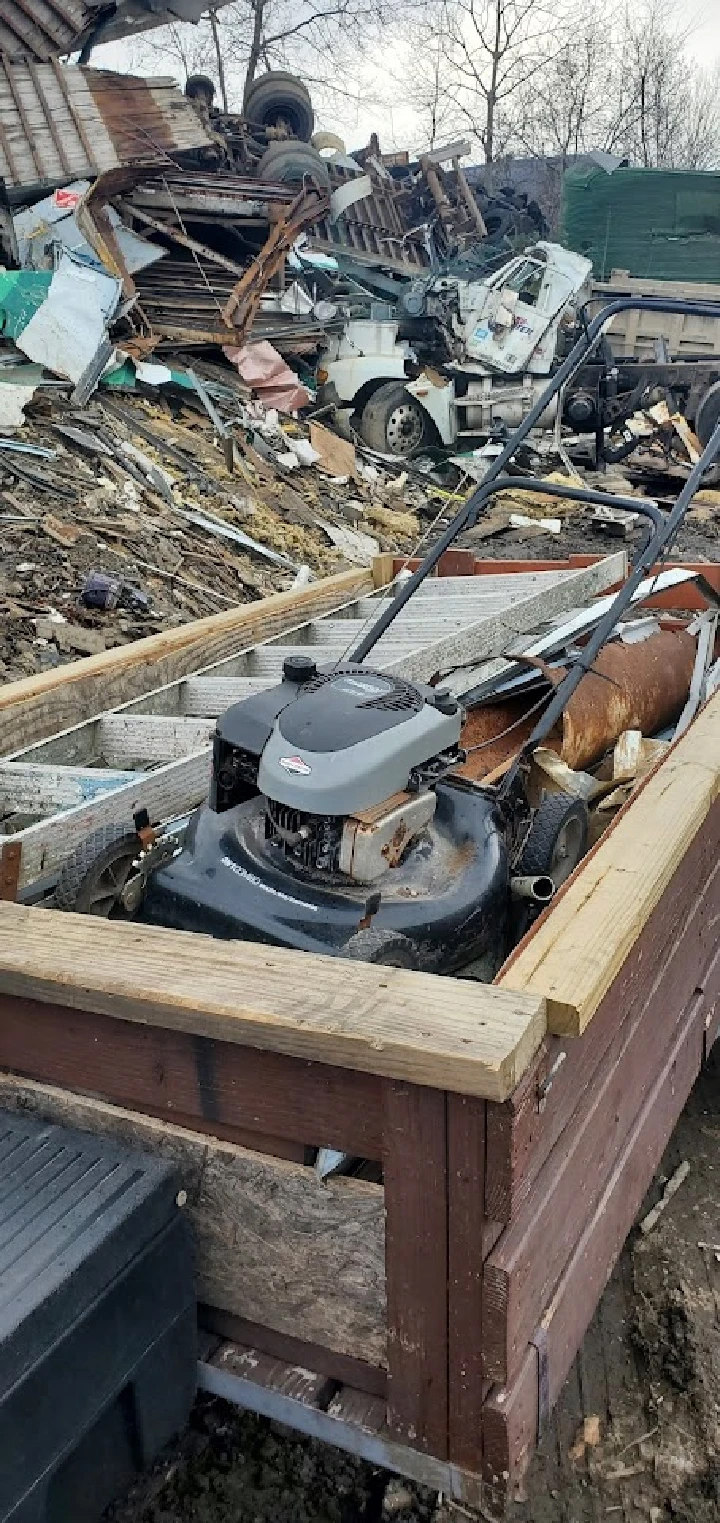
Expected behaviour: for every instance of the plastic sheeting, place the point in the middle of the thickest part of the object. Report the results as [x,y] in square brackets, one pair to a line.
[265,371]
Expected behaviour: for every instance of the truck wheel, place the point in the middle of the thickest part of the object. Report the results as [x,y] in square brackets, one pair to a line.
[394,423]
[390,948]
[707,416]
[277,97]
[289,163]
[92,879]
[557,839]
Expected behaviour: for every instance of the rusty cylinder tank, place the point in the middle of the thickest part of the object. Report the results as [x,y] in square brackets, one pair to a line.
[641,686]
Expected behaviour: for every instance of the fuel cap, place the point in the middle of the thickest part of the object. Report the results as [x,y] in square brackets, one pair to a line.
[299,669]
[444,701]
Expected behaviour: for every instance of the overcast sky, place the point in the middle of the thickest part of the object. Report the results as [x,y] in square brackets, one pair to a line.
[705,42]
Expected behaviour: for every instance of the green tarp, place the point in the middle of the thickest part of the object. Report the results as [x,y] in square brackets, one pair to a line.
[21,293]
[657,224]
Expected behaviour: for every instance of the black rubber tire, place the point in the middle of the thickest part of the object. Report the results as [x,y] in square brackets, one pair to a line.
[557,815]
[279,97]
[289,163]
[379,431]
[389,948]
[110,846]
[707,416]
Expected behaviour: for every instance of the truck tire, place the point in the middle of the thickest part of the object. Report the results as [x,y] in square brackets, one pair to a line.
[92,879]
[394,423]
[389,948]
[278,97]
[557,839]
[707,416]
[289,163]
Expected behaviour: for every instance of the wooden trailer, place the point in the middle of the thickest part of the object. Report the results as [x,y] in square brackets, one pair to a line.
[424,1317]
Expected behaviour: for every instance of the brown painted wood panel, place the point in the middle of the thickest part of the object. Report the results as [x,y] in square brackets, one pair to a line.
[416,1264]
[466,1192]
[508,1414]
[173,1074]
[510,1429]
[522,1131]
[511,1411]
[528,1260]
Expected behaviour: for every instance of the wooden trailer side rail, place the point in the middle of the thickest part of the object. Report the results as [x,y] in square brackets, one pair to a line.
[513,1159]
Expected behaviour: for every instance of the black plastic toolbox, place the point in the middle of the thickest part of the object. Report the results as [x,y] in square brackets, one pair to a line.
[97,1319]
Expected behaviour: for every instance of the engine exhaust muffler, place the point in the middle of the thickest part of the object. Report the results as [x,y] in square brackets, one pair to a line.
[539,890]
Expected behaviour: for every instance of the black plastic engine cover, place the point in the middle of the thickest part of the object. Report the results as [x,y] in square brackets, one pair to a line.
[449,897]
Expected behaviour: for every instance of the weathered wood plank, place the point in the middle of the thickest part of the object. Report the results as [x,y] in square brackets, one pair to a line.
[415,1173]
[125,740]
[30,788]
[272,1243]
[50,701]
[167,792]
[672,948]
[578,947]
[442,1032]
[236,1092]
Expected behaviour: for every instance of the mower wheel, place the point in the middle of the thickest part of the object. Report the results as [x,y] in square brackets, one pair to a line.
[92,880]
[557,839]
[389,948]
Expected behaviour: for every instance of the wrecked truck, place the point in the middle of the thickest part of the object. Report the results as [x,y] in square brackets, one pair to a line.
[459,360]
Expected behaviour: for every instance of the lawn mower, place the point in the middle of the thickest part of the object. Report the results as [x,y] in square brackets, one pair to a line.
[339,820]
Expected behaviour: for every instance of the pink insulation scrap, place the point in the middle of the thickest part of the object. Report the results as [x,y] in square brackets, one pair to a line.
[262,368]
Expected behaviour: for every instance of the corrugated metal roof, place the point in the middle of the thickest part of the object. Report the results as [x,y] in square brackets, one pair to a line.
[65,123]
[43,29]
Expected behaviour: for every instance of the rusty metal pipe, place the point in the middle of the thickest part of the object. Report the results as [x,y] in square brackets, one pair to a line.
[536,890]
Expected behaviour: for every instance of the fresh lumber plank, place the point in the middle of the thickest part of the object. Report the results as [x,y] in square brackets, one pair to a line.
[272,1243]
[576,950]
[415,1173]
[37,706]
[443,1032]
[510,1417]
[263,1100]
[674,945]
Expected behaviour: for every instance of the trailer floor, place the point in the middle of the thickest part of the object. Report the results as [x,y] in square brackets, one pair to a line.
[636,1435]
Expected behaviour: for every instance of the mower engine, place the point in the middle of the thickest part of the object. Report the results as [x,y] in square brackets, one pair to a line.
[345,761]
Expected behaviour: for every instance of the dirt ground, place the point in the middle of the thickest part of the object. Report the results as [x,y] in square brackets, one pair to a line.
[635,1436]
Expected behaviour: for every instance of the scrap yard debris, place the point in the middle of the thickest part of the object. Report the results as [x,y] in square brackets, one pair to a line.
[229,359]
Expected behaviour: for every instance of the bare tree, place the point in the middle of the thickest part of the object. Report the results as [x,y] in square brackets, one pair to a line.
[478,59]
[317,39]
[562,77]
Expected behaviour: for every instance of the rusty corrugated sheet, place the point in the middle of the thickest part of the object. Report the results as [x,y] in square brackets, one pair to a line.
[65,123]
[43,29]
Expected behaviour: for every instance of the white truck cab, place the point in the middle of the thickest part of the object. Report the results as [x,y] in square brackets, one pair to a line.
[500,336]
